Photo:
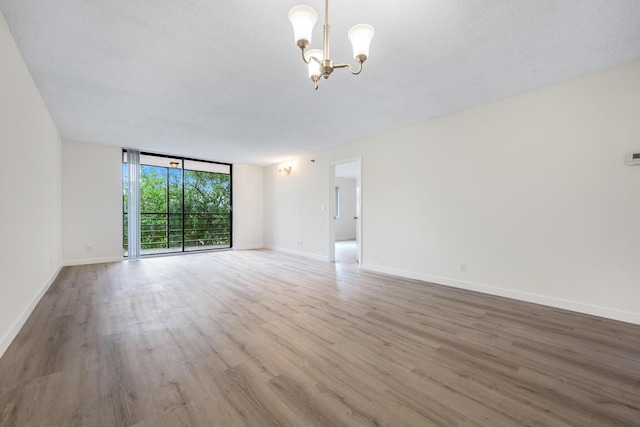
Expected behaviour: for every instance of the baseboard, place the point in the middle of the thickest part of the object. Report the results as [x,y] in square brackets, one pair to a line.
[247,247]
[593,310]
[69,262]
[316,257]
[8,338]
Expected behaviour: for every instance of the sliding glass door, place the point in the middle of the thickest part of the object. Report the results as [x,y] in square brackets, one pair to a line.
[207,205]
[185,204]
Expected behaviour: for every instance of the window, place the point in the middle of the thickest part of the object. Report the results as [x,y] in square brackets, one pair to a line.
[184,205]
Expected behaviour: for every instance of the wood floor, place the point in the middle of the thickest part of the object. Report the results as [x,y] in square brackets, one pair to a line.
[257,338]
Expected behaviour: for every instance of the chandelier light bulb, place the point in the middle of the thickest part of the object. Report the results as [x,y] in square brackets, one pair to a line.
[302,18]
[314,66]
[360,36]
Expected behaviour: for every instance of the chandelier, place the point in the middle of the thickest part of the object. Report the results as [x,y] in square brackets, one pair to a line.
[303,18]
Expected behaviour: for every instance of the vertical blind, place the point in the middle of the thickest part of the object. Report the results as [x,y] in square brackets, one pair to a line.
[133,203]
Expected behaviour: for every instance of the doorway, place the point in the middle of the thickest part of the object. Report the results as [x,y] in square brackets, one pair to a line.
[345,213]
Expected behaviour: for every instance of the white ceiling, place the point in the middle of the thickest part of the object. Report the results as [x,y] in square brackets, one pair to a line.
[223,79]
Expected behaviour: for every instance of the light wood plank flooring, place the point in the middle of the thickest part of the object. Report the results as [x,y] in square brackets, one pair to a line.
[258,338]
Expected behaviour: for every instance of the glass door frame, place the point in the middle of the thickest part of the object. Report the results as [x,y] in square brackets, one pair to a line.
[183,213]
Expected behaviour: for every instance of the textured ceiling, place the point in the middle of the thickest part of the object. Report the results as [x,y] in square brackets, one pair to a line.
[223,79]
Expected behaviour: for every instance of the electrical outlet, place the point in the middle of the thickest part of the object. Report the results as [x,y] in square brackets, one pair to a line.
[88,248]
[462,267]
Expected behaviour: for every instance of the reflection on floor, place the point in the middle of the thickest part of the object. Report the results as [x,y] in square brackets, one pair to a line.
[346,252]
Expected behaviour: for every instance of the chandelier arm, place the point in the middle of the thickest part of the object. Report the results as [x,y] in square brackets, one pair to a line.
[355,73]
[359,69]
[302,49]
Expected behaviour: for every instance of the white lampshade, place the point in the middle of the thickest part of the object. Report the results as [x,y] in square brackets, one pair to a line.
[360,36]
[302,18]
[314,66]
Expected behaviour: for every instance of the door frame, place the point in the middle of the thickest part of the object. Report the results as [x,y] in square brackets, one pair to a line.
[332,207]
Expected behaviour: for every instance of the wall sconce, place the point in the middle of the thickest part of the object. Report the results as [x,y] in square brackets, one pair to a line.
[285,168]
[174,164]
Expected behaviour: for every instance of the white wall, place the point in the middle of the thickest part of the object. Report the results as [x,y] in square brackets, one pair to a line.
[530,192]
[345,225]
[296,208]
[30,223]
[247,207]
[91,203]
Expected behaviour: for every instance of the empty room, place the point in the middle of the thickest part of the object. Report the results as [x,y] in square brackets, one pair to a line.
[362,213]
